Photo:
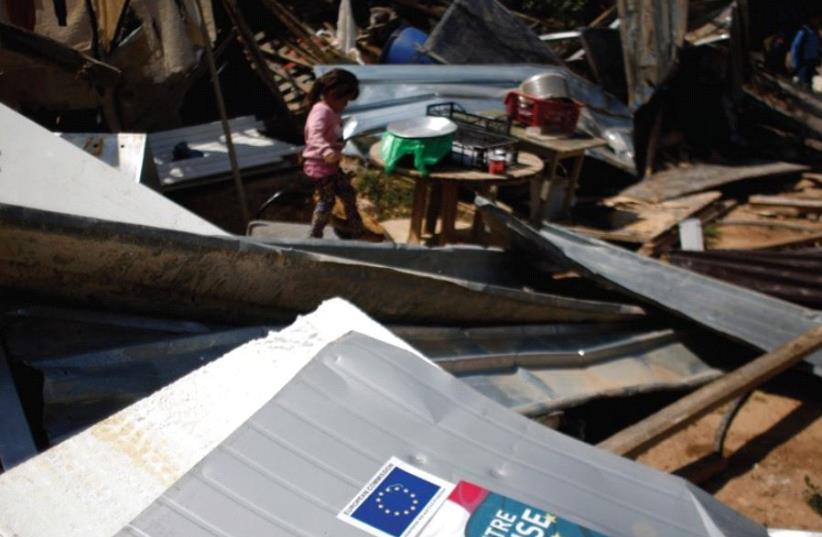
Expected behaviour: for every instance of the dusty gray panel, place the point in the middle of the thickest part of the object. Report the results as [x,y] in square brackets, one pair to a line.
[747,316]
[304,455]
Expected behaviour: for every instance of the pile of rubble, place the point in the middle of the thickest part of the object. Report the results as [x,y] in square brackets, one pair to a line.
[172,355]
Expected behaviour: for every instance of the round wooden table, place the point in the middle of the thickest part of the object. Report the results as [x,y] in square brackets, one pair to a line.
[447,177]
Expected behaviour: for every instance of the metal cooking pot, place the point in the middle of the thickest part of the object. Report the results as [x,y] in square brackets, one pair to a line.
[423,127]
[545,86]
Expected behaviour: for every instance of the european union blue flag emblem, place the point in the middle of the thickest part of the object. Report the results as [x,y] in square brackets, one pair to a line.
[399,500]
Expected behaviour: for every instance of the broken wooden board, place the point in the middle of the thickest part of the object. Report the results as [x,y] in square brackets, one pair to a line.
[678,182]
[648,221]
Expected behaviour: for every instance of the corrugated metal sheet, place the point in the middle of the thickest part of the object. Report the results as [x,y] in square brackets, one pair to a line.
[236,280]
[463,261]
[393,92]
[253,150]
[747,316]
[535,370]
[795,276]
[300,459]
[80,390]
[97,481]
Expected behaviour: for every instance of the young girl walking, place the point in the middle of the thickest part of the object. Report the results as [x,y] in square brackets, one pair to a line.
[323,148]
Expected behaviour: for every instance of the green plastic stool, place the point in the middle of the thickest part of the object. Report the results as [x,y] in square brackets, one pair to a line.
[427,151]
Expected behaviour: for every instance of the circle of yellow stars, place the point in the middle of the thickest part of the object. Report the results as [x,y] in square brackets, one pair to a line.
[393,489]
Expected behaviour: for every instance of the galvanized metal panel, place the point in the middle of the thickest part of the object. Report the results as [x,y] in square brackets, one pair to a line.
[535,370]
[532,369]
[465,262]
[97,481]
[233,279]
[747,316]
[299,460]
[41,171]
[795,276]
[253,150]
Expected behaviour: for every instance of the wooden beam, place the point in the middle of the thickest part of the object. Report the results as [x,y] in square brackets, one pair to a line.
[16,441]
[258,62]
[794,242]
[640,436]
[218,96]
[48,50]
[782,201]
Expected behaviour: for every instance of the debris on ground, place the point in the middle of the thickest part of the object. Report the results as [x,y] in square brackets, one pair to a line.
[542,211]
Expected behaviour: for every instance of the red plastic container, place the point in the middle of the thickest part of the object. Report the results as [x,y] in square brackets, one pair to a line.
[554,116]
[496,164]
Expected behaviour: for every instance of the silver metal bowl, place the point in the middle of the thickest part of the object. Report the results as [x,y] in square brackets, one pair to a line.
[423,127]
[545,86]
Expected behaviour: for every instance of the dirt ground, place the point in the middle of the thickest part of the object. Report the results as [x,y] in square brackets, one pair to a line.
[774,444]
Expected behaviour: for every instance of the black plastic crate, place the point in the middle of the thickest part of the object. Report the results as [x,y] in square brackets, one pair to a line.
[477,137]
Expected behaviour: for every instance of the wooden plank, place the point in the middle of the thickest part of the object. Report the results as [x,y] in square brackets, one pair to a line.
[806,240]
[640,436]
[258,63]
[652,220]
[783,201]
[16,442]
[678,182]
[669,239]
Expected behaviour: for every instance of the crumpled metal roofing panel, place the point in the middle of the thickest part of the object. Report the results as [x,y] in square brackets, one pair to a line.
[795,276]
[300,459]
[535,370]
[747,316]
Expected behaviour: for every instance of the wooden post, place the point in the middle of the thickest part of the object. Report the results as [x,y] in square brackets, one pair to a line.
[640,436]
[218,94]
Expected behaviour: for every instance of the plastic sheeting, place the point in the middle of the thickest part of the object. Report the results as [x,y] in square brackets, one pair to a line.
[652,33]
[484,31]
[306,453]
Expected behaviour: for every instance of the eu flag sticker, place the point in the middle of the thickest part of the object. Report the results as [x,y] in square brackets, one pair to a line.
[397,502]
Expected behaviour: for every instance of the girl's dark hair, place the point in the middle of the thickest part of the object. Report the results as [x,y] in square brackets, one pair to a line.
[337,82]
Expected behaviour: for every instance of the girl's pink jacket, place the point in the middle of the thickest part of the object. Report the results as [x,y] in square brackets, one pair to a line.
[323,136]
